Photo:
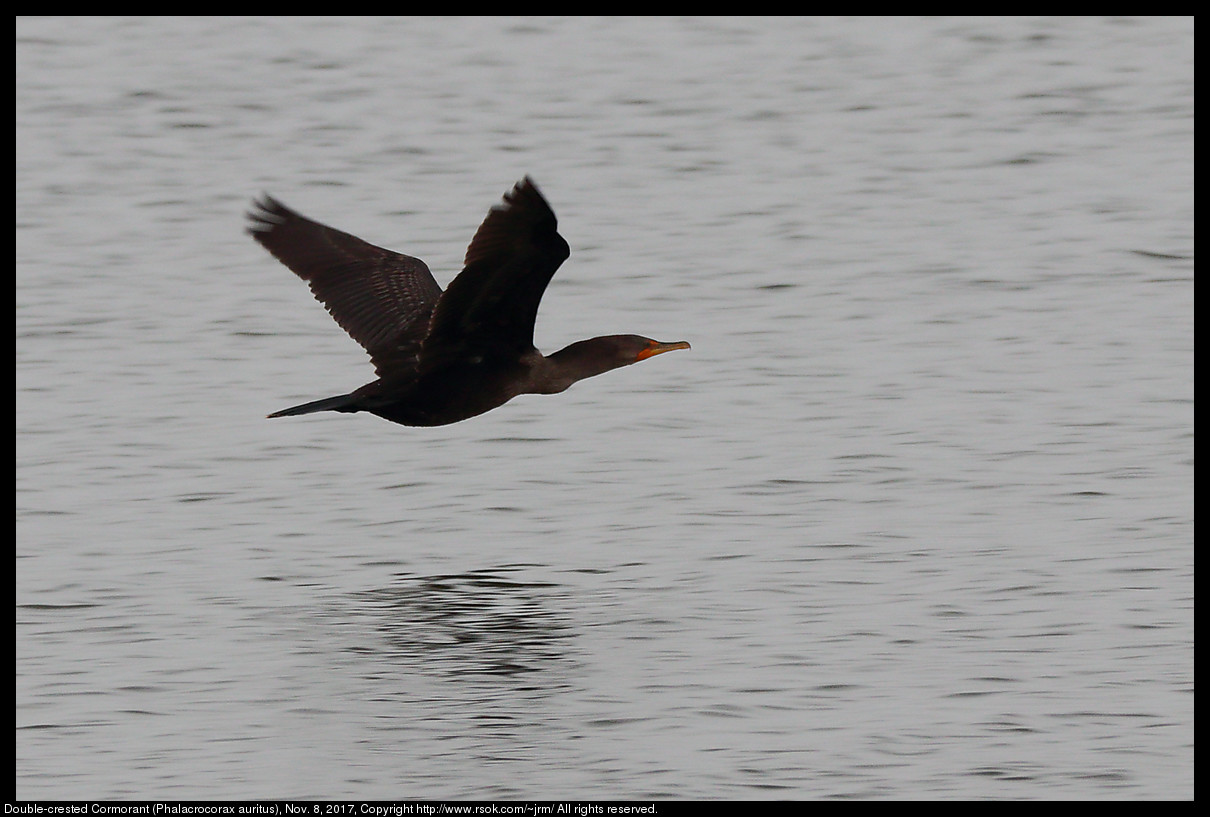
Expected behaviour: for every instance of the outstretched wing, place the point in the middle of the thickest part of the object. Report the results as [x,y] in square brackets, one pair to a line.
[383,299]
[489,310]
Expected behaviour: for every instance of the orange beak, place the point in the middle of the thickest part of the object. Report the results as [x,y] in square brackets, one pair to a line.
[656,348]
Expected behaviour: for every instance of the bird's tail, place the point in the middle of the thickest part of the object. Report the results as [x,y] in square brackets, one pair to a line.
[344,402]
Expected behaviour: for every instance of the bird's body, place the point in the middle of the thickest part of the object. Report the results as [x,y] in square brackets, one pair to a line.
[442,357]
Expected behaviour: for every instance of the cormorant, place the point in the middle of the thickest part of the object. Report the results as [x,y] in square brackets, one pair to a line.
[440,356]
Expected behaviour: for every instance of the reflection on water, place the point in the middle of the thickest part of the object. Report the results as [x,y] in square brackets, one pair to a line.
[475,623]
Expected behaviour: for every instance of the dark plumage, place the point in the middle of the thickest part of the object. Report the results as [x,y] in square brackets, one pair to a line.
[440,356]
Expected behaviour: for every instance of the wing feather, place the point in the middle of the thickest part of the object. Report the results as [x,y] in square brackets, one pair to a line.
[383,299]
[489,310]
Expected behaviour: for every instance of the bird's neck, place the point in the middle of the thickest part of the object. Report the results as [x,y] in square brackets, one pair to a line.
[583,359]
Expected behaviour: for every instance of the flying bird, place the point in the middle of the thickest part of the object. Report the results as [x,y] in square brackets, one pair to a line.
[442,357]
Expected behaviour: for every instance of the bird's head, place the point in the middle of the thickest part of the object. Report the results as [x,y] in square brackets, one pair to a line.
[588,358]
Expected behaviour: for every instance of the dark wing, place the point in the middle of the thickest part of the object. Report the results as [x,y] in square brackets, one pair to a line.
[383,299]
[490,308]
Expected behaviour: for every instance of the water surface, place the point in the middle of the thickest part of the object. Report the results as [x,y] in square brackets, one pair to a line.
[914,518]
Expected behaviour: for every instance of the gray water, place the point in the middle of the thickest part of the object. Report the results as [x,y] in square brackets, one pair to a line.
[914,517]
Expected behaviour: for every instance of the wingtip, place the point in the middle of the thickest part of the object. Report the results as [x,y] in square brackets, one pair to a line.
[264,201]
[266,213]
[525,190]
[527,184]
